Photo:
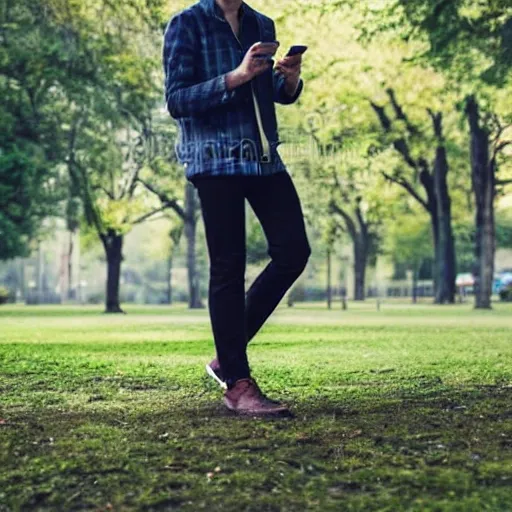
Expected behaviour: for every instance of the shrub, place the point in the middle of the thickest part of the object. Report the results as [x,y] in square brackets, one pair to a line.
[506,295]
[5,295]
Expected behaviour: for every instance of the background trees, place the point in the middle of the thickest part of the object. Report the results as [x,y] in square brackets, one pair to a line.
[470,44]
[406,113]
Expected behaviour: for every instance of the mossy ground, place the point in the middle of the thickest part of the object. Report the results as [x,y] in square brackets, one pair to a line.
[408,408]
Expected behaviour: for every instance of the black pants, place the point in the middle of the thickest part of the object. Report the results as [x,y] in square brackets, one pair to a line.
[236,316]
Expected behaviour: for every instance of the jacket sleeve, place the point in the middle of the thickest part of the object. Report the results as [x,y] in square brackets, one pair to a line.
[280,94]
[183,95]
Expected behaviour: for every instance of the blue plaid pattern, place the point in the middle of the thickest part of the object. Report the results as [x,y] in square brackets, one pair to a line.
[218,130]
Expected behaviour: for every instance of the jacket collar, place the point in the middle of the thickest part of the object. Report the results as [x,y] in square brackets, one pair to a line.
[212,9]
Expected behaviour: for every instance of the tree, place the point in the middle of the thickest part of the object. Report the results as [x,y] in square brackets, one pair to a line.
[164,178]
[188,211]
[363,233]
[345,184]
[109,131]
[30,63]
[471,43]
[257,247]
[85,77]
[113,201]
[473,40]
[415,117]
[435,199]
[484,163]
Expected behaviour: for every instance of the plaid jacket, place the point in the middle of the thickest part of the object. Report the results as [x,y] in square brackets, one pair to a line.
[218,130]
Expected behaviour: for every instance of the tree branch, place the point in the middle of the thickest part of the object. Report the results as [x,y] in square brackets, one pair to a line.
[150,214]
[104,190]
[359,214]
[91,214]
[383,117]
[351,227]
[400,114]
[170,203]
[437,122]
[399,144]
[408,187]
[500,147]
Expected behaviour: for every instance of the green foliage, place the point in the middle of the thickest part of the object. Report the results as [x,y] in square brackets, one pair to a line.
[4,295]
[29,120]
[464,232]
[409,240]
[506,295]
[504,229]
[72,76]
[470,40]
[257,249]
[22,197]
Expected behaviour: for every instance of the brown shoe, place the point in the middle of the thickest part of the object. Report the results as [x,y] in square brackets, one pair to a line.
[245,397]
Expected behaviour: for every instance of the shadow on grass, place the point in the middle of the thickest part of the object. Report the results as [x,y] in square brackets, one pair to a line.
[395,449]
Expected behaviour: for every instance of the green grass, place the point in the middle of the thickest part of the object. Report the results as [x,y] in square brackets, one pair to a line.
[407,408]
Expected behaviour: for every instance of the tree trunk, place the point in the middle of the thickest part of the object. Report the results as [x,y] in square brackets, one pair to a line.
[329,280]
[70,266]
[445,250]
[113,244]
[169,277]
[483,180]
[434,223]
[23,290]
[194,295]
[415,285]
[360,259]
[40,273]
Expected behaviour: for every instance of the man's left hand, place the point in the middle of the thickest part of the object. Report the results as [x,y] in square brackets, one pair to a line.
[290,68]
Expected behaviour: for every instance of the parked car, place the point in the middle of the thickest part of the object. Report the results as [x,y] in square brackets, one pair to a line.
[466,281]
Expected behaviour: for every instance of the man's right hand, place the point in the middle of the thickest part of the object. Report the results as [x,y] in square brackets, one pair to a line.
[255,62]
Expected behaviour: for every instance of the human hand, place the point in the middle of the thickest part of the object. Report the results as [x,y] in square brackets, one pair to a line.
[290,68]
[257,60]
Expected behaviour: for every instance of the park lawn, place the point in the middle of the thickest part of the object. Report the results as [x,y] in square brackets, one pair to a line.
[406,408]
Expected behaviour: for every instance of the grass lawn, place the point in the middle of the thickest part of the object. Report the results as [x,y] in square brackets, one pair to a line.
[407,408]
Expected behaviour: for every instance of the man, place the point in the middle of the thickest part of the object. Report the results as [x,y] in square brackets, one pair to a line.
[221,87]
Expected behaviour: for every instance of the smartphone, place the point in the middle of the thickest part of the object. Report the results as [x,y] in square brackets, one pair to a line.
[298,49]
